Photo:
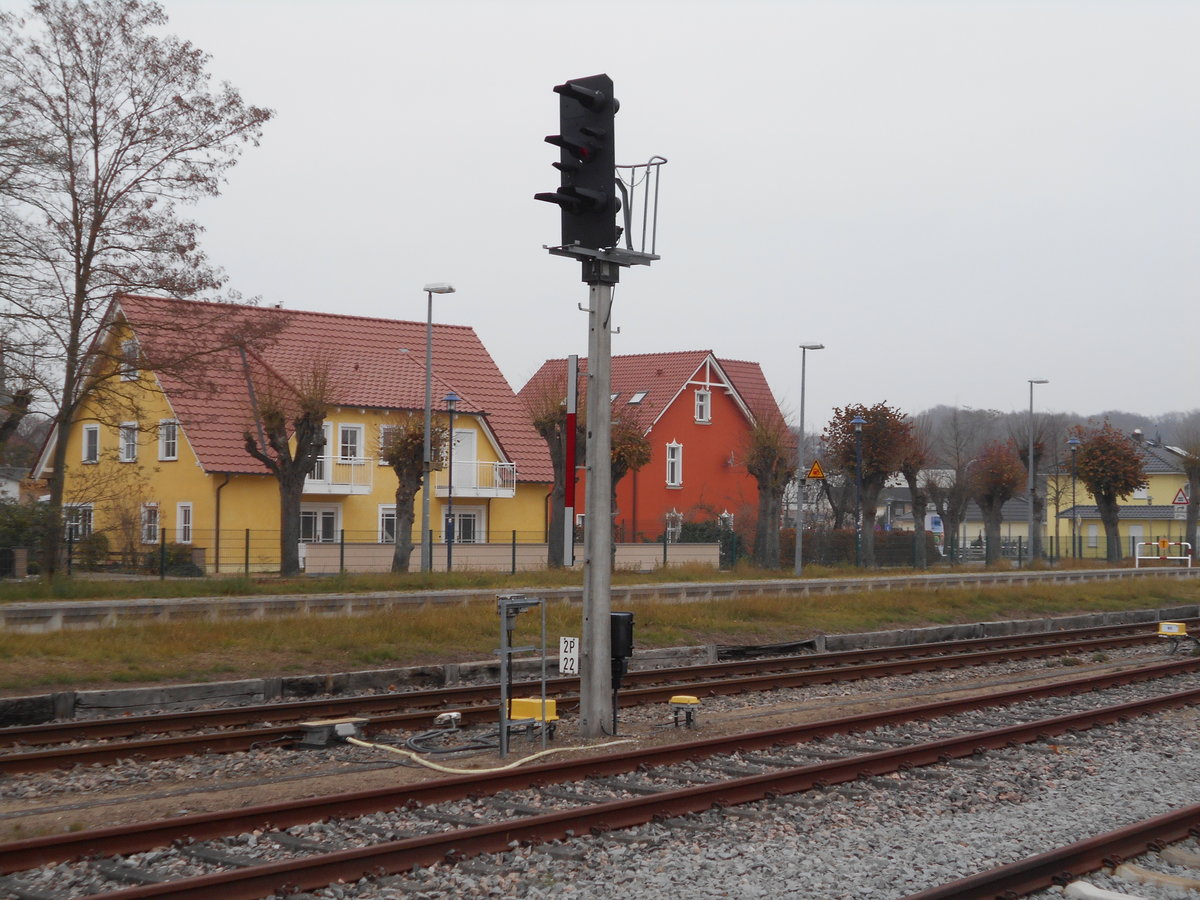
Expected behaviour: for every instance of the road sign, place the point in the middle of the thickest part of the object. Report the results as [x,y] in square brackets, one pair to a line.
[1181,498]
[815,471]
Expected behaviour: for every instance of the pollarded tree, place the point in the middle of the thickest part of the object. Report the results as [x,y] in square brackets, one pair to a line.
[630,450]
[1189,450]
[956,441]
[995,478]
[288,437]
[1111,468]
[769,456]
[548,412]
[885,439]
[109,129]
[402,446]
[915,460]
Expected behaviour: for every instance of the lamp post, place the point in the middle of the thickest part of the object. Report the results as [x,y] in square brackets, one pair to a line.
[1074,443]
[426,489]
[1032,382]
[451,404]
[858,422]
[800,473]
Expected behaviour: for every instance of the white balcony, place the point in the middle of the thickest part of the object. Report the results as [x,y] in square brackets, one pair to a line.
[337,475]
[473,478]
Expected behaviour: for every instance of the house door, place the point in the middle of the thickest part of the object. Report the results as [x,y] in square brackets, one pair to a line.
[469,525]
[465,468]
[1137,534]
[320,471]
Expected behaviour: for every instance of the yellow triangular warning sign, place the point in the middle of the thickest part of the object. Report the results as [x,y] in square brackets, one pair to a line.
[815,471]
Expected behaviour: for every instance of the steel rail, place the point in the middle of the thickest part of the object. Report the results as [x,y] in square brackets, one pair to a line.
[1065,864]
[348,865]
[246,739]
[29,852]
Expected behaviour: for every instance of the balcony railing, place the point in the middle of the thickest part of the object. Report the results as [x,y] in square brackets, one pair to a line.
[337,475]
[473,478]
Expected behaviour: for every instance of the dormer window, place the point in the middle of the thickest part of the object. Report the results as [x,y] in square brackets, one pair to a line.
[704,407]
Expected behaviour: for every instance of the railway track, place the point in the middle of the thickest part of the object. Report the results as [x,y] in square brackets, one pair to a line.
[242,728]
[394,830]
[1070,864]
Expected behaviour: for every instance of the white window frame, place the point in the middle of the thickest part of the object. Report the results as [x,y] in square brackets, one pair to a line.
[319,511]
[131,352]
[343,431]
[91,436]
[183,523]
[387,511]
[477,514]
[703,407]
[79,520]
[151,523]
[1093,535]
[674,464]
[127,440]
[168,439]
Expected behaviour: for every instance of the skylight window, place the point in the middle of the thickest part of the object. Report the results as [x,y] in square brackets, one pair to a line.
[638,397]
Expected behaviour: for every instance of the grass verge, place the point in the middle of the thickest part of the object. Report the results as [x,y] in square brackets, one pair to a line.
[220,650]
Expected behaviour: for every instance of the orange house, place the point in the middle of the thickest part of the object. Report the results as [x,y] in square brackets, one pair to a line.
[697,412]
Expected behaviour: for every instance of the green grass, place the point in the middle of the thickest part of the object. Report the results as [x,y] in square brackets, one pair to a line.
[200,650]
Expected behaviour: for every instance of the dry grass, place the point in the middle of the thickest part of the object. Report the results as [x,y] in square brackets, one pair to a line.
[206,651]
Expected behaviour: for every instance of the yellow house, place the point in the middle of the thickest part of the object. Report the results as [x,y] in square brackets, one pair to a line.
[157,454]
[1156,512]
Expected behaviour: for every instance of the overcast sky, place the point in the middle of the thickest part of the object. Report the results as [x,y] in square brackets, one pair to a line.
[954,197]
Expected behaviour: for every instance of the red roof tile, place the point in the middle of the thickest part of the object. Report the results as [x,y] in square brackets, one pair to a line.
[662,376]
[365,364]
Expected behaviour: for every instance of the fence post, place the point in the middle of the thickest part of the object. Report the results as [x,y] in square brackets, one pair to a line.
[665,534]
[70,549]
[514,552]
[342,552]
[162,553]
[247,551]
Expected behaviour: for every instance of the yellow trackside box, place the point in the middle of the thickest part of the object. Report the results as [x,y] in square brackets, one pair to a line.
[531,708]
[1172,629]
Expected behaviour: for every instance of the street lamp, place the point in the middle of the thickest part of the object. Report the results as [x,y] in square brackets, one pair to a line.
[800,473]
[426,539]
[451,404]
[1032,382]
[1074,443]
[858,422]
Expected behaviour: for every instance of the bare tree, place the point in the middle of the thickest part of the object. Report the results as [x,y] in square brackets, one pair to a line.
[955,443]
[288,437]
[769,455]
[402,446]
[913,462]
[1189,450]
[548,412]
[110,130]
